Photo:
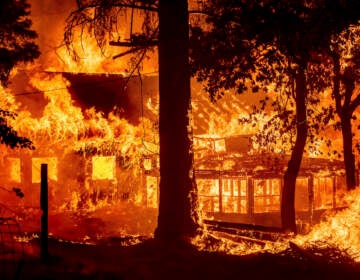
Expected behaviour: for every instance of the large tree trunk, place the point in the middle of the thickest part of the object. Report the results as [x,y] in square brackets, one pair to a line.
[177,218]
[345,113]
[349,158]
[288,192]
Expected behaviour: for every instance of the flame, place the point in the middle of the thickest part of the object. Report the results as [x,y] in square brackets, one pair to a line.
[340,230]
[115,190]
[65,134]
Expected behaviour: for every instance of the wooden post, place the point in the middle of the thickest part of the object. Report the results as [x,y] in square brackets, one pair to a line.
[44,207]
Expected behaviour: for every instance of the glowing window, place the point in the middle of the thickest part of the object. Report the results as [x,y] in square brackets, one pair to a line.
[147,164]
[232,202]
[267,195]
[220,145]
[14,169]
[208,187]
[36,168]
[209,204]
[323,192]
[103,168]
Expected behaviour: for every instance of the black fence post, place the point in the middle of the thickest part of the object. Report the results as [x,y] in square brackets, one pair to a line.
[44,251]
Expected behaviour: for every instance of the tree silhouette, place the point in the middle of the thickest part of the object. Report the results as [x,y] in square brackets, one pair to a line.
[177,209]
[252,42]
[345,54]
[166,25]
[16,46]
[16,43]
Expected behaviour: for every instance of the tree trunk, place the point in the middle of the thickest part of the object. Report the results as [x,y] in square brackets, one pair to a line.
[177,218]
[349,159]
[288,192]
[344,111]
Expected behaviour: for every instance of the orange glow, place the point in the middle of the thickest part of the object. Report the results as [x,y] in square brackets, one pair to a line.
[152,191]
[103,168]
[15,169]
[340,230]
[267,195]
[52,163]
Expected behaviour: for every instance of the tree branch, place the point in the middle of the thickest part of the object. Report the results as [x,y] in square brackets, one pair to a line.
[355,103]
[121,5]
[336,87]
[147,43]
[132,50]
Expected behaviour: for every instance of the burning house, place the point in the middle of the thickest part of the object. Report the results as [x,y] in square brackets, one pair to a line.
[246,189]
[92,154]
[98,135]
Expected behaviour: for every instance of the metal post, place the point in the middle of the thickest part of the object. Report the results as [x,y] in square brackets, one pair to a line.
[44,207]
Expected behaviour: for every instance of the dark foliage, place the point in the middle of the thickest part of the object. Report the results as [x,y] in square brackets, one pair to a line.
[272,42]
[250,43]
[345,54]
[16,46]
[8,135]
[16,37]
[101,19]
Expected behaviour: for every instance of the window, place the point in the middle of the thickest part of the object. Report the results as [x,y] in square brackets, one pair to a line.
[103,167]
[234,195]
[267,195]
[323,192]
[219,145]
[36,168]
[14,169]
[208,190]
[147,164]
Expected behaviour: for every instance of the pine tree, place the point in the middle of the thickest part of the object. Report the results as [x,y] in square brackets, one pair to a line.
[16,46]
